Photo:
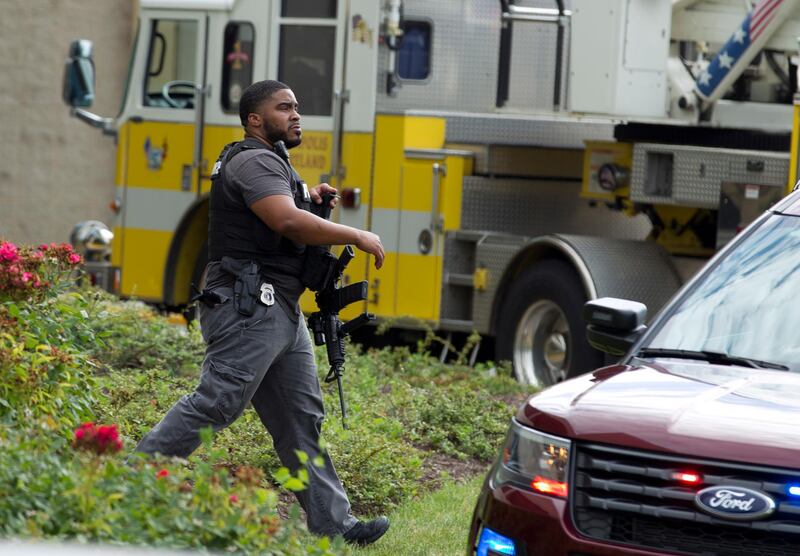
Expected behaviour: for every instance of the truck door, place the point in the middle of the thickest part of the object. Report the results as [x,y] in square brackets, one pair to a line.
[238,50]
[310,47]
[157,139]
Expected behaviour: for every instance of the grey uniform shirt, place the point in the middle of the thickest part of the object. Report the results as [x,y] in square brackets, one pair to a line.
[252,175]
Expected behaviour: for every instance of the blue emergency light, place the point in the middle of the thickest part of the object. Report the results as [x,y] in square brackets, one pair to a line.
[494,542]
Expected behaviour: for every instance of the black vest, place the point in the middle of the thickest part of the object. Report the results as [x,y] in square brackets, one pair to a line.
[235,231]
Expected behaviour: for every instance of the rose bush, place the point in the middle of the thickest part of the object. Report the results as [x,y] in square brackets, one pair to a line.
[28,271]
[44,376]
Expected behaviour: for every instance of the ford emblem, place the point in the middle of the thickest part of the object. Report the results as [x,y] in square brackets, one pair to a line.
[738,503]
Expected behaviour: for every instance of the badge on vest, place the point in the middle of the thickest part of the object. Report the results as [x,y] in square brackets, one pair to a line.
[215,169]
[267,294]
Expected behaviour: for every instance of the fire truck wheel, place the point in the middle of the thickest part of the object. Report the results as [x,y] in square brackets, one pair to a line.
[540,328]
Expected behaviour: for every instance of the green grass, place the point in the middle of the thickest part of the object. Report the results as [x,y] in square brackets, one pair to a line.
[436,524]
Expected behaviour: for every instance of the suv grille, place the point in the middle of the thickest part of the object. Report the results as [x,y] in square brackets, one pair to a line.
[630,497]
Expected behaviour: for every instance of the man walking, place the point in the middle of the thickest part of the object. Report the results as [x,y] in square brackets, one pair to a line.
[257,345]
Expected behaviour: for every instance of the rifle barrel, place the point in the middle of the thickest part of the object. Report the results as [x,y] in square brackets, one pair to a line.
[341,400]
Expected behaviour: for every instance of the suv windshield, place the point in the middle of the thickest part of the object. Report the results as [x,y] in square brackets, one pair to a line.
[748,304]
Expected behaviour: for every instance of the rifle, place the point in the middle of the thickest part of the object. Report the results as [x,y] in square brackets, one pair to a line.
[327,327]
[332,297]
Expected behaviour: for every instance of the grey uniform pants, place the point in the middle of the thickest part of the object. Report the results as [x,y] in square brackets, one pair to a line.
[265,359]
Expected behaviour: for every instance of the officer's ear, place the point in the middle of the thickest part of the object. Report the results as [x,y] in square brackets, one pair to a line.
[254,120]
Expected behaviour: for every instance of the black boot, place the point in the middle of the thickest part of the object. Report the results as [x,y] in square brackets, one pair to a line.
[367,532]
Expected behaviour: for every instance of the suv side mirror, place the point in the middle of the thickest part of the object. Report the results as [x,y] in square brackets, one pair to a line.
[614,325]
[78,89]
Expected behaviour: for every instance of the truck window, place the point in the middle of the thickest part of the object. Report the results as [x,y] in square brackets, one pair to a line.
[171,64]
[325,9]
[237,63]
[307,52]
[414,55]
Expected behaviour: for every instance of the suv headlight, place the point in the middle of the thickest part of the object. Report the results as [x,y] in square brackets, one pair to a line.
[534,460]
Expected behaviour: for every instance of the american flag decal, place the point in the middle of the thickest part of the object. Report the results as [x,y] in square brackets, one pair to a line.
[753,26]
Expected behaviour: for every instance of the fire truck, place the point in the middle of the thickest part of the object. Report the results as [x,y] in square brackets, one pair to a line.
[516,158]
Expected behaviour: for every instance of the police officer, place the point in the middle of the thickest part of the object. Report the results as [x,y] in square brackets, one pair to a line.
[257,345]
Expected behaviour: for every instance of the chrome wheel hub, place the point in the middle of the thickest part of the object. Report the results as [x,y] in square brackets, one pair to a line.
[541,345]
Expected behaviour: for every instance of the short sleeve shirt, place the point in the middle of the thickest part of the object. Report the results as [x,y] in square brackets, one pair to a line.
[258,173]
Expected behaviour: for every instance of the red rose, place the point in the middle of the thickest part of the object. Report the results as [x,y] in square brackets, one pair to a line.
[100,440]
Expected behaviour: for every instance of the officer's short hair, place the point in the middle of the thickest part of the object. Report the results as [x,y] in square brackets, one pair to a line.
[257,93]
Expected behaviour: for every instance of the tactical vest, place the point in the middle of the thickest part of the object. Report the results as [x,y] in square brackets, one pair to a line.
[236,232]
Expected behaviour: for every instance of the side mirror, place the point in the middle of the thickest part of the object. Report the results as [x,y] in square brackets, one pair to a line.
[614,325]
[78,89]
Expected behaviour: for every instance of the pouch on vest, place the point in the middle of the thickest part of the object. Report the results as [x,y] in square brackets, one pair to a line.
[319,267]
[246,288]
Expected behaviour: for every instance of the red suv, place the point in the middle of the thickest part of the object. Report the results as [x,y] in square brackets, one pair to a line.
[690,445]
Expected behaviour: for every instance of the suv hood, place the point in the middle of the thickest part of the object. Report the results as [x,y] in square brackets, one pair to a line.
[681,407]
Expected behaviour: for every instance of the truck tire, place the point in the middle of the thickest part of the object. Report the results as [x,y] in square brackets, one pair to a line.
[540,328]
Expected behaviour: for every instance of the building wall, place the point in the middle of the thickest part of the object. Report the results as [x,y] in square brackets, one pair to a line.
[54,169]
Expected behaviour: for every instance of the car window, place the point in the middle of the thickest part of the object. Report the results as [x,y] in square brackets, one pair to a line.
[747,305]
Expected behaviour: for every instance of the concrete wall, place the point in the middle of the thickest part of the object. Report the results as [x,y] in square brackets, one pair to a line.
[54,169]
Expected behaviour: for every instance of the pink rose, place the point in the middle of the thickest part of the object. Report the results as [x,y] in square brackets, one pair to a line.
[74,258]
[8,252]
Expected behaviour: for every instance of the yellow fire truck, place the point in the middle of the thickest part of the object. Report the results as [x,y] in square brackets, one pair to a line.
[516,158]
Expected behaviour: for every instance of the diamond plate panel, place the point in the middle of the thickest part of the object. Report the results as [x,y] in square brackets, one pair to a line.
[459,255]
[517,129]
[464,54]
[459,258]
[638,270]
[698,173]
[494,254]
[530,208]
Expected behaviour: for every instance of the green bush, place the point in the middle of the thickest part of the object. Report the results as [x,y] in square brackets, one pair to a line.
[451,409]
[377,464]
[48,490]
[43,377]
[135,337]
[459,422]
